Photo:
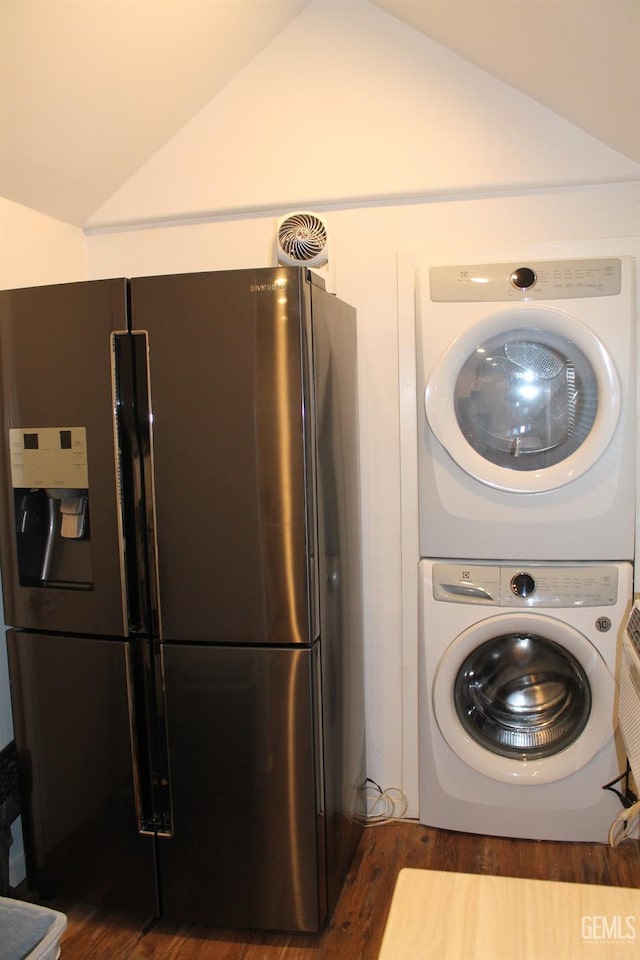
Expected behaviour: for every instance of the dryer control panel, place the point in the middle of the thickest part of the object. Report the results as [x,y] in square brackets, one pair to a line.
[524,587]
[535,280]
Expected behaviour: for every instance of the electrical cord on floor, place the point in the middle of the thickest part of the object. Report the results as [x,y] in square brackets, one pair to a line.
[624,824]
[381,804]
[628,819]
[627,797]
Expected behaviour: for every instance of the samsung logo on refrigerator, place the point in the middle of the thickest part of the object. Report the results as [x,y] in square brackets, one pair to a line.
[268,287]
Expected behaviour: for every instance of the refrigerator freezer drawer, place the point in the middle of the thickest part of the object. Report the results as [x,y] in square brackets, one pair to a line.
[247,824]
[69,698]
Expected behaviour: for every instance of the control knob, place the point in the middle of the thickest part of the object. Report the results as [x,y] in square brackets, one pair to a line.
[523,585]
[523,278]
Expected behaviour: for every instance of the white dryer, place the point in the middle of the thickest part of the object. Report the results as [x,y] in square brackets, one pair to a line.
[526,426]
[517,697]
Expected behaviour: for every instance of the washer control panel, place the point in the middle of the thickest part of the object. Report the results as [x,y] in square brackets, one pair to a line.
[535,280]
[535,585]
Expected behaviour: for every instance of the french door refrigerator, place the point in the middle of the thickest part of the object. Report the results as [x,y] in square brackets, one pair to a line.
[180,549]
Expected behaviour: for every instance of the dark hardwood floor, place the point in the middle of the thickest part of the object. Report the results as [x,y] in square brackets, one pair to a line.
[355,930]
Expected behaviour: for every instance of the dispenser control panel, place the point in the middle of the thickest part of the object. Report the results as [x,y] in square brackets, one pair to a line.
[49,458]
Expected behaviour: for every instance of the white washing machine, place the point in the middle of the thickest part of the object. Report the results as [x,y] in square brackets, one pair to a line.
[517,697]
[526,386]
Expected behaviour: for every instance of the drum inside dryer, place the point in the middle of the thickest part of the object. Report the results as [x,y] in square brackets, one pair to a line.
[526,399]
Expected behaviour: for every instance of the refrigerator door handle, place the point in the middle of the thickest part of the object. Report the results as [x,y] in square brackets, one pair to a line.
[147,728]
[142,773]
[132,436]
[132,433]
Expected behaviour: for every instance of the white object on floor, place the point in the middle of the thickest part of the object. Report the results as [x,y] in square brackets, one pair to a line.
[28,931]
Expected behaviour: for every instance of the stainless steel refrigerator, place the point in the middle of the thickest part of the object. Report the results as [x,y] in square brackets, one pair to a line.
[180,545]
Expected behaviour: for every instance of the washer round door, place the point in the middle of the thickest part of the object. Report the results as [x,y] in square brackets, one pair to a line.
[526,400]
[523,698]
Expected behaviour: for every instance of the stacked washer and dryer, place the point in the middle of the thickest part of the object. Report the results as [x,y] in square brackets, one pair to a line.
[526,459]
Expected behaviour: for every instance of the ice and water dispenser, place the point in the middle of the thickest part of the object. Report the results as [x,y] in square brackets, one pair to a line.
[50,480]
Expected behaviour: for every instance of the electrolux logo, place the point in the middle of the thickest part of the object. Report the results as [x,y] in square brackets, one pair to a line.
[614,929]
[274,285]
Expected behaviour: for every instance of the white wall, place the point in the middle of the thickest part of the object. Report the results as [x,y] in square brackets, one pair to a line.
[35,249]
[349,104]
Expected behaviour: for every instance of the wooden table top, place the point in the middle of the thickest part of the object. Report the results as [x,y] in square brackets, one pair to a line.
[436,915]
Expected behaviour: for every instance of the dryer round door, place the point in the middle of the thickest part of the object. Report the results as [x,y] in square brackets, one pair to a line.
[523,698]
[526,400]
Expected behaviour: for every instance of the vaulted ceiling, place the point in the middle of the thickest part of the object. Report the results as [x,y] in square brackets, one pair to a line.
[91,89]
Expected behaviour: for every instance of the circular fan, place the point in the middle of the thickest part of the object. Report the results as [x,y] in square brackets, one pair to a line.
[302,239]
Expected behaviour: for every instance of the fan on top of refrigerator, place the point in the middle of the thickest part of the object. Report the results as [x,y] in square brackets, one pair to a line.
[302,240]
